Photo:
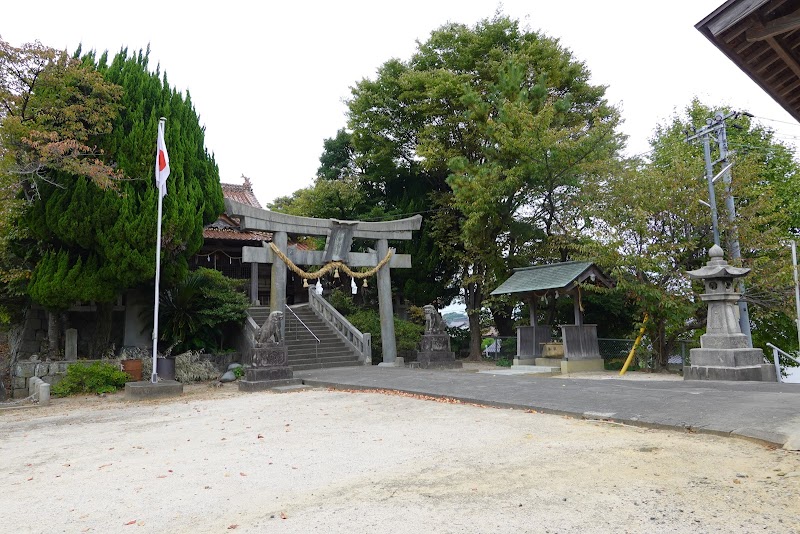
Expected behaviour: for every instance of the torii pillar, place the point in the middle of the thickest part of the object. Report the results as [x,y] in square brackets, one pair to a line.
[339,236]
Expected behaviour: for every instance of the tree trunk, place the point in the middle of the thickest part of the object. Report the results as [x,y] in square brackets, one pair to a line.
[102,332]
[473,298]
[503,320]
[53,333]
[475,337]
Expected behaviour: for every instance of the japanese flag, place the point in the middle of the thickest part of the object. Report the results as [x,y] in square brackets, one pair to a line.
[162,162]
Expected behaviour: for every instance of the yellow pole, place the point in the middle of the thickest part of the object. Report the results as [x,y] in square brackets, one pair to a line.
[635,346]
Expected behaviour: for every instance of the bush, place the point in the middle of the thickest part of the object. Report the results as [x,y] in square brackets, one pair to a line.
[98,377]
[343,302]
[406,333]
[504,362]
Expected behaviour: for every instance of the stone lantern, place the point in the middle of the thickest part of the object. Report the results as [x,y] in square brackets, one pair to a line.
[725,352]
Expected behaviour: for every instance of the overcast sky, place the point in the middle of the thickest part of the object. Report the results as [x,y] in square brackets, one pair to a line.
[269,79]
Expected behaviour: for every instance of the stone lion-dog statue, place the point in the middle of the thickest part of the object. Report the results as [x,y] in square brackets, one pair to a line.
[434,324]
[271,330]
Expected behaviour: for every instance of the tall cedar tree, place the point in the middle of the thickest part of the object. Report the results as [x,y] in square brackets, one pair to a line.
[99,243]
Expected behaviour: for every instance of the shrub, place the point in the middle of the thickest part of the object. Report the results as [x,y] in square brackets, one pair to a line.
[201,312]
[406,333]
[97,377]
[504,362]
[343,302]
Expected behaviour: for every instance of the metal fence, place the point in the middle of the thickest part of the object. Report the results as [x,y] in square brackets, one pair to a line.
[498,347]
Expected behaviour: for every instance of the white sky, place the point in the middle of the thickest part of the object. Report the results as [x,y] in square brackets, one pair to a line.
[269,79]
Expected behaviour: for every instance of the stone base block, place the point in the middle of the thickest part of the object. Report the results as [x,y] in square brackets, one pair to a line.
[270,354]
[757,373]
[548,362]
[260,374]
[582,366]
[438,359]
[524,361]
[714,357]
[148,390]
[398,362]
[434,343]
[442,365]
[263,385]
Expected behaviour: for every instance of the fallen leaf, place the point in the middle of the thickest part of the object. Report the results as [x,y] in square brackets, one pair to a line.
[30,479]
[104,465]
[284,516]
[736,481]
[260,436]
[231,527]
[242,474]
[161,476]
[130,523]
[169,470]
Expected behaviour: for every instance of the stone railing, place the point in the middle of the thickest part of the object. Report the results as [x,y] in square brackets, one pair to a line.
[360,343]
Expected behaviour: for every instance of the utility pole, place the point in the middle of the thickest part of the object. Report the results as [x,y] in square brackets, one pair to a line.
[715,128]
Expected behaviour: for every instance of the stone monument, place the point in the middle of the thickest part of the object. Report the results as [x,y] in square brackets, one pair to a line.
[435,344]
[269,359]
[725,352]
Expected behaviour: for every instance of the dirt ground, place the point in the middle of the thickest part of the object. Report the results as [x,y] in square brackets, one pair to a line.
[325,461]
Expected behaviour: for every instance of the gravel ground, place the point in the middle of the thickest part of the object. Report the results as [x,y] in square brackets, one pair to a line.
[324,461]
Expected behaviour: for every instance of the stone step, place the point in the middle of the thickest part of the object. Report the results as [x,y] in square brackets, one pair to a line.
[308,366]
[304,352]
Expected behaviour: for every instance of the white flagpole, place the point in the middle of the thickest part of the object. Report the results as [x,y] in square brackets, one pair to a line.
[154,375]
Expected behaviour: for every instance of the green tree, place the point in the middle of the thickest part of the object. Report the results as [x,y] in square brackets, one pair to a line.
[496,129]
[652,227]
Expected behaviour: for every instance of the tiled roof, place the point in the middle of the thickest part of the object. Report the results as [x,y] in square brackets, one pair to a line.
[230,234]
[545,277]
[227,228]
[241,193]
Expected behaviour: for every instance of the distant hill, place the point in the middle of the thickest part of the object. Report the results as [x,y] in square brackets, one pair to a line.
[455,318]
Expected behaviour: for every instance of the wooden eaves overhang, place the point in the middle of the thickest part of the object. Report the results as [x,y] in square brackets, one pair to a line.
[540,280]
[762,37]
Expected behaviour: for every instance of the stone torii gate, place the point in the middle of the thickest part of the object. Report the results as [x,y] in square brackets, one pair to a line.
[339,236]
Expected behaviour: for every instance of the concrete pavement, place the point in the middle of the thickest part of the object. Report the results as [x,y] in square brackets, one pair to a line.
[767,412]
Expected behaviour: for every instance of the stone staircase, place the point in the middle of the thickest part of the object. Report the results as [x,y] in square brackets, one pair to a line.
[304,351]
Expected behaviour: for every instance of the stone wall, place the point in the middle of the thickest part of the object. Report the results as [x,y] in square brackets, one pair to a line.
[22,371]
[53,372]
[33,339]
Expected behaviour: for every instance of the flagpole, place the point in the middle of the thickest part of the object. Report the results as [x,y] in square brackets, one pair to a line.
[154,375]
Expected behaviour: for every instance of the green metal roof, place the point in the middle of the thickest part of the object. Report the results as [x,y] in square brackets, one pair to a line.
[555,276]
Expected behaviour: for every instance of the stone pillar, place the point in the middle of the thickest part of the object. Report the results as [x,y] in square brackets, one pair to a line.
[254,283]
[385,307]
[71,348]
[532,310]
[277,294]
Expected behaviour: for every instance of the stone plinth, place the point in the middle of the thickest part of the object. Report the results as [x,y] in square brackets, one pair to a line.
[435,352]
[148,390]
[268,368]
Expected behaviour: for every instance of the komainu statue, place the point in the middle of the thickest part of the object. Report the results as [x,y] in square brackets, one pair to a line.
[271,330]
[434,324]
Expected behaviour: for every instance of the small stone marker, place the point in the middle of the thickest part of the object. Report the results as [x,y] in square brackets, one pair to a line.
[71,348]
